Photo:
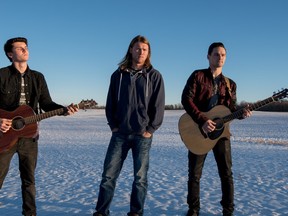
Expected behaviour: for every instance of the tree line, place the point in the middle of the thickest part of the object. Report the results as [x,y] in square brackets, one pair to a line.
[277,106]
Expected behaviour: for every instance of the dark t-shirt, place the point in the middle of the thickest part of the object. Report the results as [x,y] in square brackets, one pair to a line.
[214,99]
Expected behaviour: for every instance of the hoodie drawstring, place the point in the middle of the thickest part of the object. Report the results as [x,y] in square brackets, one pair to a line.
[119,90]
[120,83]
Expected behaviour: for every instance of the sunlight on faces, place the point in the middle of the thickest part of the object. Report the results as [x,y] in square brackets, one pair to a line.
[19,52]
[217,57]
[139,53]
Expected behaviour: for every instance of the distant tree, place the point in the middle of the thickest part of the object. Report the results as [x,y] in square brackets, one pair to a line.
[174,107]
[89,104]
[277,106]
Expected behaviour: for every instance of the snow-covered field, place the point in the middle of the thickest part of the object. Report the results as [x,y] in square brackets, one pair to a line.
[72,150]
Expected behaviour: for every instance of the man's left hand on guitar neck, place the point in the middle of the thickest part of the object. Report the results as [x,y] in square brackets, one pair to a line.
[246,112]
[71,109]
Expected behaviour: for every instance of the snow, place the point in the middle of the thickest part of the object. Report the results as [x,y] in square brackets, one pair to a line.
[72,151]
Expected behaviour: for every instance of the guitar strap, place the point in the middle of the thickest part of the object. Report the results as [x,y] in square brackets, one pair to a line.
[228,85]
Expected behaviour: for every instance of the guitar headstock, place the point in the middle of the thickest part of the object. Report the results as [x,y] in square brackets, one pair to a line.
[281,94]
[86,104]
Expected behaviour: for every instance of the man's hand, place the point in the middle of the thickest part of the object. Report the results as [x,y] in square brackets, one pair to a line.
[247,112]
[146,134]
[71,109]
[5,125]
[209,126]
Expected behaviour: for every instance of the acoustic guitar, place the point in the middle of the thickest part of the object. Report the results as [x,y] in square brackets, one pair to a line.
[199,142]
[25,122]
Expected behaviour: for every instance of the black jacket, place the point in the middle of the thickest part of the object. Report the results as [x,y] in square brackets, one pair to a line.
[36,90]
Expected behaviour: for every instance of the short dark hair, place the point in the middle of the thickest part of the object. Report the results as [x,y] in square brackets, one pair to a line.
[9,45]
[214,45]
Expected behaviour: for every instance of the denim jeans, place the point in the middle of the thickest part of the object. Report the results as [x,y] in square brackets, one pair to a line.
[27,150]
[116,154]
[222,155]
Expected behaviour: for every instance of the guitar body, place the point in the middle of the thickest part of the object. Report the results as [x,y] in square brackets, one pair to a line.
[19,128]
[25,122]
[193,137]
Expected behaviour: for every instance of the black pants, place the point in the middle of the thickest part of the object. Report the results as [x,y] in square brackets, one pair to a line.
[222,155]
[27,150]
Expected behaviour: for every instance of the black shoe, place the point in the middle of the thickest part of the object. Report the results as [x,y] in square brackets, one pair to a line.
[98,214]
[227,212]
[192,212]
[132,214]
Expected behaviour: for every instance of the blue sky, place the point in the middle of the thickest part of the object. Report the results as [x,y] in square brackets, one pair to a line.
[78,44]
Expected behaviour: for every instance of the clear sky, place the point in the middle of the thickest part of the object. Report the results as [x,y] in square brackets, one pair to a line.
[78,44]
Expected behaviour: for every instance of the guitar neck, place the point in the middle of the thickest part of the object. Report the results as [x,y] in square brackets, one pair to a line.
[36,118]
[39,117]
[251,107]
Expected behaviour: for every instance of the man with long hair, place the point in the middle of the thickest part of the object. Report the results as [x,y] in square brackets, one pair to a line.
[134,110]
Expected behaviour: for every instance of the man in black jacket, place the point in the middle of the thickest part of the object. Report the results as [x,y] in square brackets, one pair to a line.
[19,85]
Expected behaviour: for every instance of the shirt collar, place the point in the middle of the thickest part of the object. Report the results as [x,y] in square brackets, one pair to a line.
[14,70]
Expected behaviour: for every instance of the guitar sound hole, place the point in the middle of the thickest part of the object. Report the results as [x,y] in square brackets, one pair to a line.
[18,123]
[219,129]
[219,123]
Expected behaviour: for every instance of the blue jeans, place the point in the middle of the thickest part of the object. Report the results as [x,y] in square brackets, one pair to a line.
[116,154]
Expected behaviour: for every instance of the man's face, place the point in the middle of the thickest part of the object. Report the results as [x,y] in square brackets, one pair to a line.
[217,57]
[139,53]
[19,53]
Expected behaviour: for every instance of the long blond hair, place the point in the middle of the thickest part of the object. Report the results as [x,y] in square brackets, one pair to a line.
[127,60]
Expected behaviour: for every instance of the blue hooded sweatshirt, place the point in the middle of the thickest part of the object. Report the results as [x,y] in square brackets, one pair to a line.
[135,101]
